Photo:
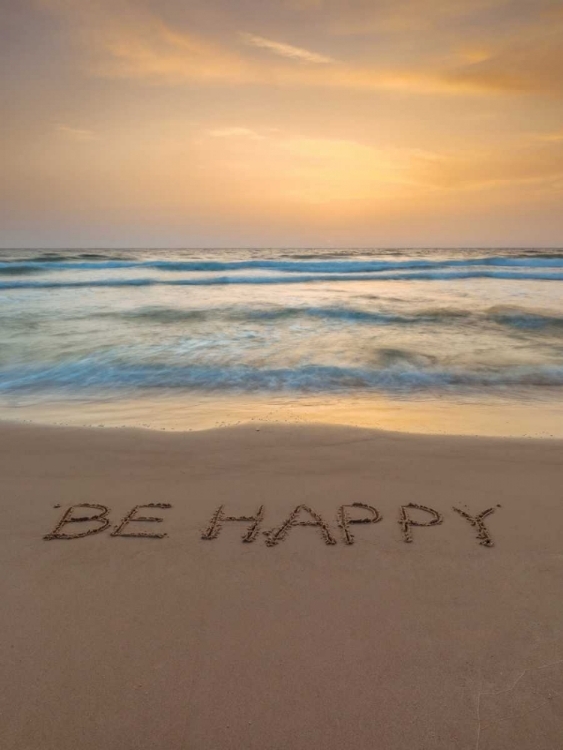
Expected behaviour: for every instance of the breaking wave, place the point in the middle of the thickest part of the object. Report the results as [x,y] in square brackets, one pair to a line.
[396,377]
[325,265]
[275,321]
[513,317]
[297,279]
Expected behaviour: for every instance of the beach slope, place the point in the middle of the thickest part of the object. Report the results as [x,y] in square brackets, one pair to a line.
[422,627]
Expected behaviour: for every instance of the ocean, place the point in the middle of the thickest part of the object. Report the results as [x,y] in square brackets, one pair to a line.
[189,338]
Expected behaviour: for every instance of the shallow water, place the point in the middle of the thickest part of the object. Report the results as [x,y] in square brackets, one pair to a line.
[356,336]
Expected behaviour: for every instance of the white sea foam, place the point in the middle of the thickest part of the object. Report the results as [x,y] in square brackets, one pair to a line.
[123,322]
[305,278]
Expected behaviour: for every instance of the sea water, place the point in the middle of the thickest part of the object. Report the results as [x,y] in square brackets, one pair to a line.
[423,339]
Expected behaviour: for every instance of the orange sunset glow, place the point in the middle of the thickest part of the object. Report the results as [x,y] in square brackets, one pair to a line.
[173,123]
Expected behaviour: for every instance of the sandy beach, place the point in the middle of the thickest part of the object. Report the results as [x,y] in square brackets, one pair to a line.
[326,635]
[281,375]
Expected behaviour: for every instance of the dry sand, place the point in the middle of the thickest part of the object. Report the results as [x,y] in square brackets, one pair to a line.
[186,643]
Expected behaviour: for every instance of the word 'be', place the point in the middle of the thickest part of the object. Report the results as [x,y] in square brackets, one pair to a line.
[302,515]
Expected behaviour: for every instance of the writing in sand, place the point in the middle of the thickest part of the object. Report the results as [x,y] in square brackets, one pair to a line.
[409,516]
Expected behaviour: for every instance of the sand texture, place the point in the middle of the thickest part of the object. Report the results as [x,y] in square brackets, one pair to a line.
[385,592]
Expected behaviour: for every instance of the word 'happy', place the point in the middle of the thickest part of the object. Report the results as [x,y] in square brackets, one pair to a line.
[302,515]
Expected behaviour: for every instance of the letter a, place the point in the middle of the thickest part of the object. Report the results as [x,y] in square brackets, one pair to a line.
[278,535]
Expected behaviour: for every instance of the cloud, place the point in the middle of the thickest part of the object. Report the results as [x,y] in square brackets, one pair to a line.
[358,18]
[314,171]
[126,42]
[152,52]
[525,58]
[484,168]
[286,50]
[550,137]
[305,4]
[493,55]
[234,132]
[76,134]
[531,61]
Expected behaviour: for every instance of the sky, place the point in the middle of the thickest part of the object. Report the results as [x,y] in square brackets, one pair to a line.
[202,123]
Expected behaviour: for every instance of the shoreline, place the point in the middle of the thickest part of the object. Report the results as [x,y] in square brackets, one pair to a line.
[310,636]
[263,426]
[475,414]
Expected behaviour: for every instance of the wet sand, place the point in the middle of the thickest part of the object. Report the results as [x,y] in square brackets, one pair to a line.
[202,632]
[498,415]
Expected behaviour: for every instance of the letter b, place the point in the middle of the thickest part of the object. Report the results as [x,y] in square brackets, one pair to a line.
[99,518]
